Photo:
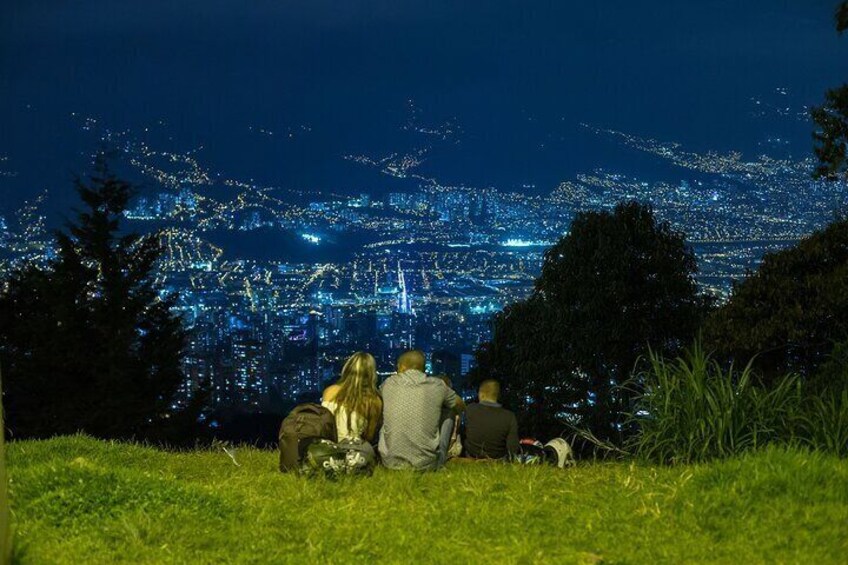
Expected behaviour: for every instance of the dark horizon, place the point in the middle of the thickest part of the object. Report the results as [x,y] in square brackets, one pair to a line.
[495,94]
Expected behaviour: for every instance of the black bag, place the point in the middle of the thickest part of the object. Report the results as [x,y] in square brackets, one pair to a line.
[348,457]
[304,424]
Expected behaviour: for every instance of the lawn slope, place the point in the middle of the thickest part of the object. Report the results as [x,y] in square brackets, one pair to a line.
[79,500]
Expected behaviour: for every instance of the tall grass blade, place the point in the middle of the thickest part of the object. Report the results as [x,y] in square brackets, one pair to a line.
[693,409]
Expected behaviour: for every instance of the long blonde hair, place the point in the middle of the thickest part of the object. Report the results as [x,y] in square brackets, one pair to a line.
[358,391]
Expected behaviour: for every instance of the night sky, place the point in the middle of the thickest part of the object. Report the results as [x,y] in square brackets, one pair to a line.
[513,81]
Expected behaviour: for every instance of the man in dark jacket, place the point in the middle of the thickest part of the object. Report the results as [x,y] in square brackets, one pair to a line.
[491,431]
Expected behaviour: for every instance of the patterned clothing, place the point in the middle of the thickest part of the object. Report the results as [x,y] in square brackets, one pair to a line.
[413,421]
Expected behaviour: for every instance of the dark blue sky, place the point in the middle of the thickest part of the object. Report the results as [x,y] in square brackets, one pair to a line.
[517,77]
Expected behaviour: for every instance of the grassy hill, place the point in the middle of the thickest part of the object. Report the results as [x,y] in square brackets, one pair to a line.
[79,500]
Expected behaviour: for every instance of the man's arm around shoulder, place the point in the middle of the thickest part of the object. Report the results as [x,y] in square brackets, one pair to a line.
[459,407]
[453,401]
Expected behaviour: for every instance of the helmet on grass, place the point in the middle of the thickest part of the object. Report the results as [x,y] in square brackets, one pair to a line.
[530,452]
[559,453]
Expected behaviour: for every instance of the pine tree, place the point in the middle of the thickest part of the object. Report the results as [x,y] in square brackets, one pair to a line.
[90,343]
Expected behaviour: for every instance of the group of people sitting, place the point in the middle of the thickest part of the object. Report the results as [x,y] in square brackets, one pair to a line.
[415,418]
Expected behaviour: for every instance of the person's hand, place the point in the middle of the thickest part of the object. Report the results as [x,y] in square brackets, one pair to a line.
[459,407]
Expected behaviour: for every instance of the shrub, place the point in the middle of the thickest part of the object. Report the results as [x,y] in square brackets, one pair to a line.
[693,409]
[825,422]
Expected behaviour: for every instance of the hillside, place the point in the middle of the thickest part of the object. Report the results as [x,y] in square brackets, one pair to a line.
[76,499]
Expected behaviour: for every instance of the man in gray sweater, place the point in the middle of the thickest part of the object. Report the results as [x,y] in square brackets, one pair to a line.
[417,417]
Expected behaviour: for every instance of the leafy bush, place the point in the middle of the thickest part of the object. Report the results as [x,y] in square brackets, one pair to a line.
[693,409]
[825,422]
[826,419]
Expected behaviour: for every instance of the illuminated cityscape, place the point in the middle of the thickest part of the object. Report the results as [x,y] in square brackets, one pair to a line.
[350,180]
[424,268]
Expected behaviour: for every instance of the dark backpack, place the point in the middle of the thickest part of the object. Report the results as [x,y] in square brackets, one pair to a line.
[305,423]
[348,457]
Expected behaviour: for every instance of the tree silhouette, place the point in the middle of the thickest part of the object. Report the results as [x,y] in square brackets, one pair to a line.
[616,285]
[831,118]
[90,343]
[842,17]
[789,313]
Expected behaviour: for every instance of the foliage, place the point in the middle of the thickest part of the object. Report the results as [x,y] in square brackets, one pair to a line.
[89,343]
[842,16]
[826,419]
[618,282]
[692,409]
[77,500]
[525,355]
[791,311]
[831,137]
[825,422]
[831,119]
[833,373]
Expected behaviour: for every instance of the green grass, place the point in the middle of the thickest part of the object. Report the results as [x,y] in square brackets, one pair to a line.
[79,500]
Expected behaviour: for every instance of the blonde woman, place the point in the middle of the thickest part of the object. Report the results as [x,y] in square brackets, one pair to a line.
[354,399]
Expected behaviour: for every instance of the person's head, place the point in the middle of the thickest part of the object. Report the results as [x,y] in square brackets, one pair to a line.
[412,360]
[489,391]
[359,372]
[358,389]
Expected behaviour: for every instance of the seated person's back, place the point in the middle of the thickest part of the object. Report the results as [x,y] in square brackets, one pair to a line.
[411,436]
[354,400]
[491,431]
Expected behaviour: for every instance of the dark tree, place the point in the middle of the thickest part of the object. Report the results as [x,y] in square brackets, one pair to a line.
[831,119]
[527,355]
[616,285]
[791,311]
[90,343]
[832,375]
[842,17]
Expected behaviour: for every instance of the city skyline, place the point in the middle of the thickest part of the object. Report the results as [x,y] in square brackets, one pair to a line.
[328,179]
